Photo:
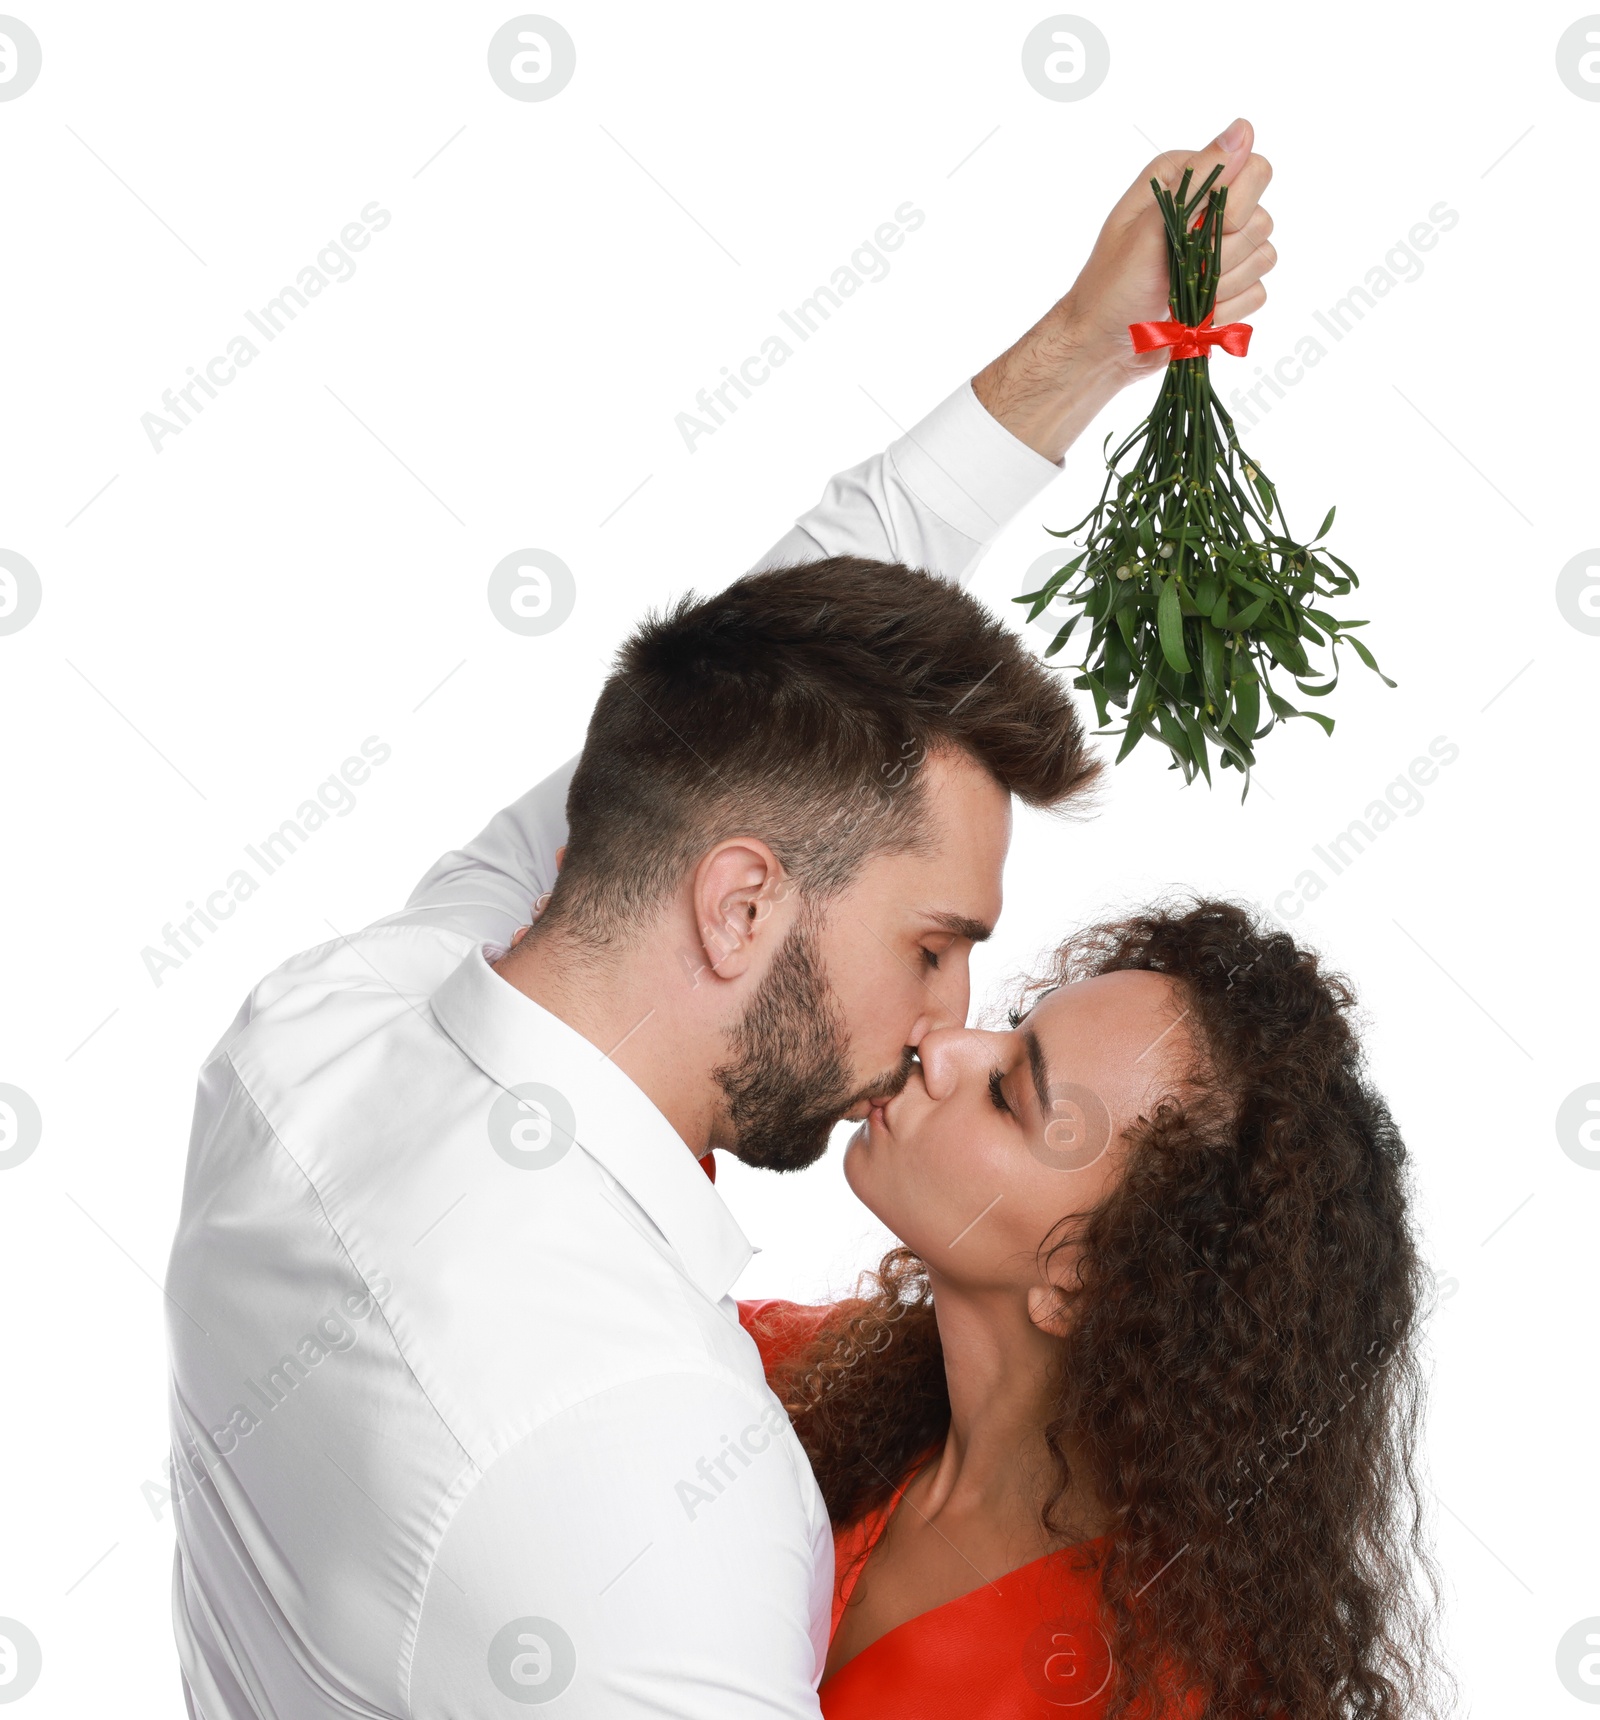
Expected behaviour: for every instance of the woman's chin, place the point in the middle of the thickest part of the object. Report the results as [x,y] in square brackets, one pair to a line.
[868,1173]
[857,1151]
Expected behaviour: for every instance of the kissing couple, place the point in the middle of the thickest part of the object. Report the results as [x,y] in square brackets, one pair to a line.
[1125,1425]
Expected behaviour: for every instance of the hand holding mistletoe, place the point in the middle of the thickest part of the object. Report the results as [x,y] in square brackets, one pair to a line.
[1193,593]
[1047,386]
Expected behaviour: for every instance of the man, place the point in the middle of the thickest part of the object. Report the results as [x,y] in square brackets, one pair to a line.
[463,1417]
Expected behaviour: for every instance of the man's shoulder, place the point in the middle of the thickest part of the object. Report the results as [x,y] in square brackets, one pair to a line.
[338,992]
[391,958]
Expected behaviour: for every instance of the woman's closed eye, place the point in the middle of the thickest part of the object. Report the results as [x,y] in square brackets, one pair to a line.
[997,1094]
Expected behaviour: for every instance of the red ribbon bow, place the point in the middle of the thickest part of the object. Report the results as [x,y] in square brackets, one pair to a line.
[1187,342]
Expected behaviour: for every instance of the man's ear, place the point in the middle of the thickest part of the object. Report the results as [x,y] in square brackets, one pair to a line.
[737,885]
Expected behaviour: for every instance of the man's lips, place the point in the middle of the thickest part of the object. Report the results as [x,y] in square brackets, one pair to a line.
[882,1108]
[870,1110]
[879,1100]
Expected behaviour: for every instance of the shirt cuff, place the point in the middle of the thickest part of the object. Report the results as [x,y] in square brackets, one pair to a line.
[965,466]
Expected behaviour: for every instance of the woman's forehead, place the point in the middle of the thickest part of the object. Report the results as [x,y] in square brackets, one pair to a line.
[1122,1031]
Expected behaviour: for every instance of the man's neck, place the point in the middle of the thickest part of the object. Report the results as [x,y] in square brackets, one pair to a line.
[615,1000]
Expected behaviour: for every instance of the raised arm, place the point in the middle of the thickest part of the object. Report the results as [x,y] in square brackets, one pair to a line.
[939,495]
[936,498]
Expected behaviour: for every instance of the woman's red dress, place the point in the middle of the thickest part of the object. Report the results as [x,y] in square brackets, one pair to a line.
[1025,1647]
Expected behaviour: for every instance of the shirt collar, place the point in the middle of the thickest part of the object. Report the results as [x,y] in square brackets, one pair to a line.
[513,1040]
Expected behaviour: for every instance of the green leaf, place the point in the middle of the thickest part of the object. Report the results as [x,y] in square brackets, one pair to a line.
[1286,650]
[1147,533]
[1041,598]
[1169,625]
[1285,709]
[1213,670]
[1228,748]
[1197,743]
[1247,706]
[1173,737]
[1322,530]
[1366,657]
[1133,734]
[1118,669]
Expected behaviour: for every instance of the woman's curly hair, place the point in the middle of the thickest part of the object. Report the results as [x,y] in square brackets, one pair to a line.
[1239,1378]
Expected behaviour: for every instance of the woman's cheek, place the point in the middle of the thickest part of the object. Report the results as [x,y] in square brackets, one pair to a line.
[969,1168]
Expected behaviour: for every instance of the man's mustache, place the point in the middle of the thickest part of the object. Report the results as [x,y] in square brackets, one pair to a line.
[881,1091]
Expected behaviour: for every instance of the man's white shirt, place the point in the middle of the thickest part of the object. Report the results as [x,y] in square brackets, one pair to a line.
[463,1417]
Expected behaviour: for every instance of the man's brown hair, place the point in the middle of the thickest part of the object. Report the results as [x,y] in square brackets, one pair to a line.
[797,706]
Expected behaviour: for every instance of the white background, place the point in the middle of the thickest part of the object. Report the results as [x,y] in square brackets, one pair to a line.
[305,565]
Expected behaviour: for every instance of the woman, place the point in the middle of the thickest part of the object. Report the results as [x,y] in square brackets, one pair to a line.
[1127,1425]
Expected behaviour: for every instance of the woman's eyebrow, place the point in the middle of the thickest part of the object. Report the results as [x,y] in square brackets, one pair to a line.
[1036,1065]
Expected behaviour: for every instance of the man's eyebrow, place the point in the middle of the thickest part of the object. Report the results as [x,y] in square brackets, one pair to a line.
[1036,1063]
[962,926]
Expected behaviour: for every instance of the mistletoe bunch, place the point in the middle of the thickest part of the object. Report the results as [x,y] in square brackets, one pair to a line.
[1192,594]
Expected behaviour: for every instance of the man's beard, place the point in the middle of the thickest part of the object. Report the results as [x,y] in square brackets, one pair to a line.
[788,1081]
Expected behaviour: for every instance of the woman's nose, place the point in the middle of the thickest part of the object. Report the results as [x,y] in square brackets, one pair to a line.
[950,1053]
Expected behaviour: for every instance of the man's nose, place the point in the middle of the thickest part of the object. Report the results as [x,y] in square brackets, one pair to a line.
[944,1006]
[951,1053]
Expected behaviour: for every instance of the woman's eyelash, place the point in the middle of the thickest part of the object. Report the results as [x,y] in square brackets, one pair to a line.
[996,1095]
[931,957]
